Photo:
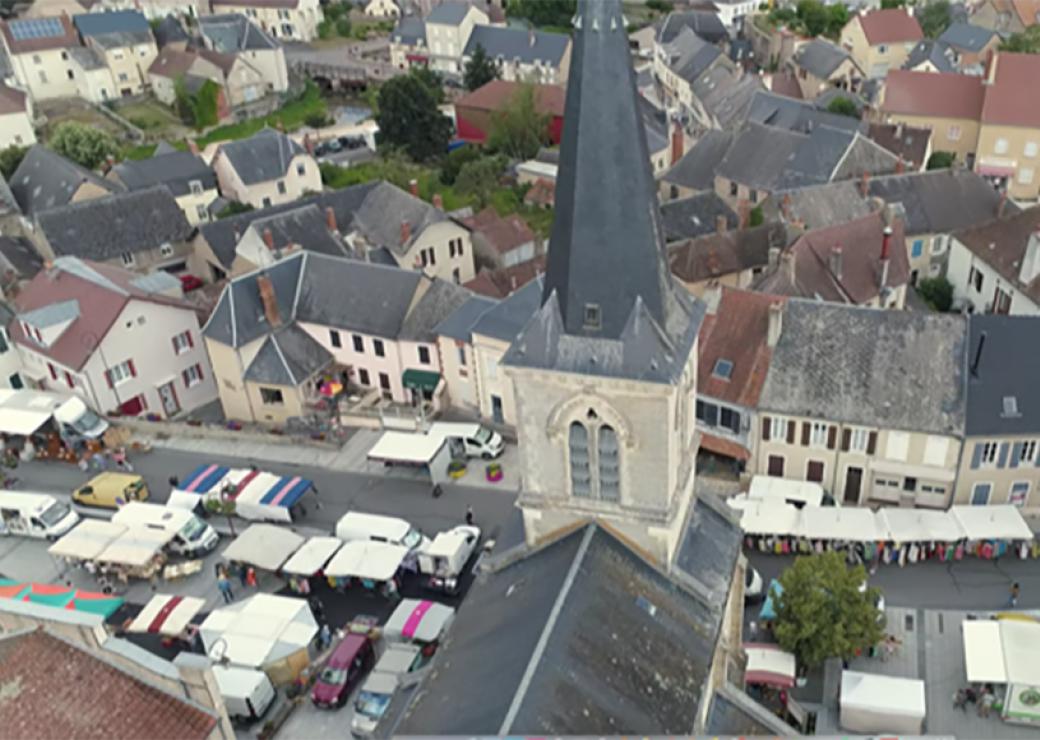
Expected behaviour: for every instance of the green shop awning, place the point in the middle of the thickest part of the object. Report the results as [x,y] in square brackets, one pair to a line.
[421,380]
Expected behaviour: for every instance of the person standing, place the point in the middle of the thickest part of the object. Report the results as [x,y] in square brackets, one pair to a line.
[224,584]
[469,515]
[1013,598]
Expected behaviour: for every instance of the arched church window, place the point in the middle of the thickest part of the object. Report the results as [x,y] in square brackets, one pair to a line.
[581,474]
[609,474]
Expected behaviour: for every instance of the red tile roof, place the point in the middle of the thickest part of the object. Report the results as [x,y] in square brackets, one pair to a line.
[495,95]
[1028,11]
[541,194]
[933,94]
[506,280]
[890,26]
[11,100]
[1005,102]
[68,38]
[785,83]
[502,234]
[172,62]
[736,332]
[57,691]
[725,447]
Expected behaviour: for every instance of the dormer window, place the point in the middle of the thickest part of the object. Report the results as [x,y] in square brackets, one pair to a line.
[723,369]
[592,316]
[1010,407]
[128,259]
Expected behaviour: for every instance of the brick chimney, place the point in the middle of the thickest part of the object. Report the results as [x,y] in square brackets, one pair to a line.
[774,258]
[836,261]
[886,246]
[269,300]
[864,184]
[308,143]
[269,238]
[413,187]
[785,207]
[330,219]
[406,232]
[721,223]
[776,321]
[193,147]
[438,202]
[900,165]
[678,143]
[744,212]
[787,265]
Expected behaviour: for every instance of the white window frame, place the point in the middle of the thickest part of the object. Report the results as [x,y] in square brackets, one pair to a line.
[193,376]
[975,487]
[195,186]
[182,342]
[953,132]
[778,426]
[120,373]
[1028,451]
[1000,146]
[988,458]
[1011,491]
[1031,148]
[1025,175]
[818,434]
[859,439]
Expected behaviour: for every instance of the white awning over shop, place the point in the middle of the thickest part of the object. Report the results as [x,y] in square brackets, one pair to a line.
[374,561]
[983,651]
[136,547]
[1021,642]
[841,523]
[167,615]
[264,546]
[783,490]
[918,525]
[312,557]
[770,517]
[992,522]
[259,630]
[87,540]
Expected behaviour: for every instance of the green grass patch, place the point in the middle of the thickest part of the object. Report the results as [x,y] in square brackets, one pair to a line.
[148,115]
[291,116]
[139,151]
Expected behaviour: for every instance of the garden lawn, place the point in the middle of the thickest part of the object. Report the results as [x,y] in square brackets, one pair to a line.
[291,116]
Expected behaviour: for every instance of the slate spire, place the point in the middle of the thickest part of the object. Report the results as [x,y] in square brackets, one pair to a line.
[607,250]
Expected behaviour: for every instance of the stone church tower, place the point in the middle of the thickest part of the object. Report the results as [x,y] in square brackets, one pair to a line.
[605,372]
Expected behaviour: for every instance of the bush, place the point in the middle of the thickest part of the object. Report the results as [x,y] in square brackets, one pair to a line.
[455,161]
[937,292]
[843,107]
[85,145]
[940,161]
[317,119]
[343,27]
[10,158]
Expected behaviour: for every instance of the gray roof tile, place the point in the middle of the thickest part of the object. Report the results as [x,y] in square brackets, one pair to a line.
[936,52]
[509,317]
[820,58]
[967,36]
[263,157]
[230,33]
[449,13]
[696,169]
[780,111]
[1003,371]
[515,43]
[704,23]
[695,216]
[460,322]
[940,201]
[45,180]
[288,356]
[176,170]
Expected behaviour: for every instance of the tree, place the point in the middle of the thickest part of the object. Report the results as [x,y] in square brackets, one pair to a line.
[408,118]
[224,505]
[935,17]
[85,145]
[455,161]
[813,16]
[478,179]
[661,6]
[843,107]
[937,292]
[1026,42]
[556,13]
[480,69]
[433,81]
[234,208]
[10,158]
[519,130]
[822,613]
[837,17]
[889,4]
[940,161]
[343,27]
[200,108]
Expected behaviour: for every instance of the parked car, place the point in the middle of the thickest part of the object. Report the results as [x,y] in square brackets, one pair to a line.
[352,659]
[190,283]
[753,585]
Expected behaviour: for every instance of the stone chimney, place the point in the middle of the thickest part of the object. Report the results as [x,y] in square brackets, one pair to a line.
[721,223]
[776,322]
[886,246]
[787,265]
[269,300]
[836,262]
[406,232]
[774,258]
[330,219]
[1030,269]
[864,184]
[438,202]
[413,187]
[193,147]
[678,143]
[744,212]
[269,238]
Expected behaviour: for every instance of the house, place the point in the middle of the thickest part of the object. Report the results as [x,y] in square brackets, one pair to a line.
[785,82]
[707,24]
[455,347]
[972,44]
[275,330]
[383,9]
[154,10]
[168,31]
[16,118]
[11,371]
[949,104]
[881,40]
[1008,152]
[48,60]
[142,230]
[820,64]
[734,13]
[291,20]
[444,36]
[837,417]
[995,267]
[733,358]
[1006,17]
[911,144]
[268,239]
[121,340]
[266,169]
[56,8]
[936,204]
[801,116]
[1000,463]
[44,180]
[124,40]
[816,206]
[238,82]
[695,171]
[735,259]
[521,55]
[931,56]
[503,241]
[185,174]
[236,35]
[408,43]
[475,112]
[680,60]
[697,215]
[502,282]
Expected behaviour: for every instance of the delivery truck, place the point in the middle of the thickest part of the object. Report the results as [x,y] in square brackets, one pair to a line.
[35,515]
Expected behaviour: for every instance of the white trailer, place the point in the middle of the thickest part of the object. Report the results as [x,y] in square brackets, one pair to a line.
[247,692]
[445,558]
[422,451]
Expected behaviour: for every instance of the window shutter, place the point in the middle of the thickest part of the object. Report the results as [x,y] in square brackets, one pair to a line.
[806,433]
[976,456]
[133,370]
[191,341]
[1016,454]
[108,378]
[832,436]
[1002,455]
[144,401]
[54,372]
[871,443]
[765,428]
[846,439]
[173,341]
[68,379]
[790,432]
[198,370]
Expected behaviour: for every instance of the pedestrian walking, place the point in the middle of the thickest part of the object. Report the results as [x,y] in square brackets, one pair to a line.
[243,574]
[325,636]
[251,576]
[121,461]
[1013,598]
[987,700]
[224,584]
[317,609]
[469,515]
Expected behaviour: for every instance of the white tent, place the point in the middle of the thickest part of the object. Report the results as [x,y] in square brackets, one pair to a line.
[312,557]
[1021,644]
[265,546]
[259,630]
[167,615]
[983,651]
[375,561]
[87,540]
[770,517]
[851,524]
[421,621]
[783,490]
[137,546]
[918,525]
[993,522]
[871,703]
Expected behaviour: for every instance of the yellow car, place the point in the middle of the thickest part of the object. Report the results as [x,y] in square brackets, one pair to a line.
[111,490]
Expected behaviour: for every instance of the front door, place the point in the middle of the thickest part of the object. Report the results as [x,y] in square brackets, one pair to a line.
[853,481]
[496,410]
[168,394]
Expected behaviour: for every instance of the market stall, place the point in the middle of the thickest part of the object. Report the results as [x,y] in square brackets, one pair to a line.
[839,524]
[768,665]
[991,531]
[1005,653]
[202,484]
[264,496]
[418,621]
[312,557]
[872,703]
[87,540]
[137,553]
[61,597]
[167,615]
[367,560]
[264,546]
[797,493]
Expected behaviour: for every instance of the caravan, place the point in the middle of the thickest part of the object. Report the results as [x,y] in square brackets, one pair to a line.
[35,515]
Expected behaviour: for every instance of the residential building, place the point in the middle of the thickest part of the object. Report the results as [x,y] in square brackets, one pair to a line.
[683,59]
[122,341]
[266,169]
[124,40]
[503,241]
[16,118]
[11,371]
[930,55]
[268,239]
[695,171]
[734,13]
[275,330]
[408,44]
[169,32]
[521,55]
[801,116]
[911,144]
[502,282]
[837,415]
[881,40]
[291,20]
[1006,16]
[141,230]
[44,180]
[383,9]
[735,259]
[190,180]
[820,65]
[38,51]
[1008,153]
[972,44]
[447,30]
[55,8]
[816,206]
[949,104]
[1000,464]
[235,34]
[697,215]
[707,24]
[995,267]
[154,10]
[95,82]
[455,346]
[238,81]
[475,112]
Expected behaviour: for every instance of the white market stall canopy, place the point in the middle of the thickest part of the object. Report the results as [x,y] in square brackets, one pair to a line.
[785,490]
[843,523]
[406,447]
[422,621]
[167,615]
[996,522]
[264,546]
[919,525]
[22,412]
[374,561]
[983,651]
[312,557]
[137,547]
[872,703]
[768,664]
[259,630]
[87,540]
[770,517]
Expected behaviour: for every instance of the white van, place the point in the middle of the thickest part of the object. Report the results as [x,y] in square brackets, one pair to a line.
[357,526]
[446,557]
[474,440]
[193,537]
[379,688]
[247,693]
[22,412]
[35,515]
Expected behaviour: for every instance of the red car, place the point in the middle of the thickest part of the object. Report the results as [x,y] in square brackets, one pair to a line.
[347,666]
[190,283]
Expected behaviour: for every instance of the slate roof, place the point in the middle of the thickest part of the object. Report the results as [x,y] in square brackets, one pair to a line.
[87,57]
[902,370]
[409,31]
[784,82]
[508,318]
[504,281]
[1002,243]
[695,216]
[941,201]
[106,228]
[814,206]
[99,700]
[18,255]
[263,157]
[820,58]
[303,227]
[689,56]
[170,31]
[801,116]
[936,52]
[175,170]
[727,94]
[515,44]
[933,94]
[714,255]
[45,179]
[908,142]
[696,169]
[605,260]
[448,13]
[111,21]
[705,24]
[460,322]
[573,663]
[233,32]
[289,356]
[890,26]
[382,211]
[967,37]
[1003,371]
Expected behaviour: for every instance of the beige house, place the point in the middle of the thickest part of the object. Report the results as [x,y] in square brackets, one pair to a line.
[881,40]
[457,354]
[290,20]
[16,118]
[235,34]
[123,39]
[448,28]
[734,259]
[38,50]
[1006,16]
[188,178]
[266,169]
[820,65]
[1008,153]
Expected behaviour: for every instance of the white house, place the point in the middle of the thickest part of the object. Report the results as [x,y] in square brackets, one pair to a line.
[266,169]
[295,20]
[16,118]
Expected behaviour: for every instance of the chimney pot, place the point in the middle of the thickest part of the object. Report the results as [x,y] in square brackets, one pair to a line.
[330,219]
[308,143]
[413,187]
[774,258]
[438,201]
[406,231]
[886,242]
[775,327]
[900,165]
[678,143]
[721,223]
[268,238]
